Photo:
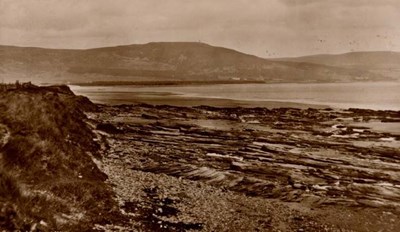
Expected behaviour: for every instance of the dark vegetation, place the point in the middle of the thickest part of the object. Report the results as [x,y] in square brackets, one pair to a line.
[48,180]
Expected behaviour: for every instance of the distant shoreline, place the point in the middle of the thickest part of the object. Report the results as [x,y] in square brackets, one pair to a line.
[332,95]
[164,83]
[219,82]
[214,102]
[160,98]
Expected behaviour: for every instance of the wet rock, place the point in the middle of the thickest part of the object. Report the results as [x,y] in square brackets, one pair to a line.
[149,116]
[256,159]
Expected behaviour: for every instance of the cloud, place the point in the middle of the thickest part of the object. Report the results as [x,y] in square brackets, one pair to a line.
[283,27]
[341,3]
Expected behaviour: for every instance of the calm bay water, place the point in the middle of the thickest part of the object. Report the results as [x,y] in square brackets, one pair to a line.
[370,95]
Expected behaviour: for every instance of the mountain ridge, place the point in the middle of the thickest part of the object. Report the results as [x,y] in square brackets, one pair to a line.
[385,63]
[160,61]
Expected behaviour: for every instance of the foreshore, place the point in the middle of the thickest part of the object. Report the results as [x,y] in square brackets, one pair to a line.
[254,166]
[142,167]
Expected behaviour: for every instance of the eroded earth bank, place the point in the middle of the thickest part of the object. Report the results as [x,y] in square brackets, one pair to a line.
[251,169]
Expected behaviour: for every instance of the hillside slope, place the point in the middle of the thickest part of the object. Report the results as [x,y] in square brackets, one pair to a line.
[162,61]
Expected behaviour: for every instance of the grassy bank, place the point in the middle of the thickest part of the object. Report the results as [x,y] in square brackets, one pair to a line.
[48,180]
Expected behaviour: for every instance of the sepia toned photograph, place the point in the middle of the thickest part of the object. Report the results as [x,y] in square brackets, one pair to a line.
[200,115]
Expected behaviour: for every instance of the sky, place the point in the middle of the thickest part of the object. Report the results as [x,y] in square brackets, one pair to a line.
[266,28]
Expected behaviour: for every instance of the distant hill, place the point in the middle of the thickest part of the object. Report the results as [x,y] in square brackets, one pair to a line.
[164,61]
[384,63]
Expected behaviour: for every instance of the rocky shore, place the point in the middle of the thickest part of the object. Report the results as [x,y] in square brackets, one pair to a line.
[250,169]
